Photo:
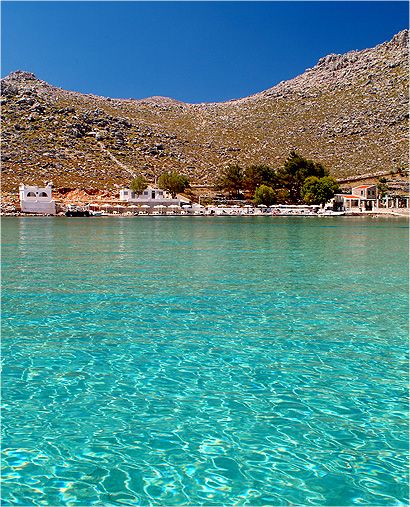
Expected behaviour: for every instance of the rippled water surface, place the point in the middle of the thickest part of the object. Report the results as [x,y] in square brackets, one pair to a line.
[205,361]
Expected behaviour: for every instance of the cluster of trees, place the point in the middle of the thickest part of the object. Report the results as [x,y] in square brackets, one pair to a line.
[139,184]
[298,180]
[171,181]
[319,190]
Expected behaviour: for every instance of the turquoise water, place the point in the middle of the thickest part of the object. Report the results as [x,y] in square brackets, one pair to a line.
[205,361]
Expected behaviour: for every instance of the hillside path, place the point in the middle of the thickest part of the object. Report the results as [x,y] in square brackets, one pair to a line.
[115,159]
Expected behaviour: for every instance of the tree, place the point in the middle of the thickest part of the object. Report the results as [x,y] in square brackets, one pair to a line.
[230,179]
[295,171]
[319,190]
[257,175]
[382,187]
[282,195]
[173,182]
[264,195]
[139,184]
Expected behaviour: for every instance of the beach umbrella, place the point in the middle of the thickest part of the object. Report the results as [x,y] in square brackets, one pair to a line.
[174,206]
[159,206]
[145,206]
[262,206]
[106,206]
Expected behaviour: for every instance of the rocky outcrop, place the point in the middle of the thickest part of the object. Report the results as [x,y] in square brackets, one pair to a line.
[349,112]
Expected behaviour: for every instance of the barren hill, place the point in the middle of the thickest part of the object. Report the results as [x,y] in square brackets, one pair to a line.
[349,112]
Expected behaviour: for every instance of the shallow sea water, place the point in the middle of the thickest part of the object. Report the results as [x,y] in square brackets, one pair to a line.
[205,361]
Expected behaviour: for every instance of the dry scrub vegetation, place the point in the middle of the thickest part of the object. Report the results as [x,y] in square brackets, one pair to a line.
[349,112]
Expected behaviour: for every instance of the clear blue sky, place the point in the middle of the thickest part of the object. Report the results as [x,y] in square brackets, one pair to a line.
[191,51]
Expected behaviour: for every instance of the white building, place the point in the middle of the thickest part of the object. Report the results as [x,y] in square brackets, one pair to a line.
[362,198]
[35,199]
[151,196]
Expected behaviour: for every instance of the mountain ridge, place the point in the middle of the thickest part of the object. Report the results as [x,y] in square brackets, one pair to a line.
[349,112]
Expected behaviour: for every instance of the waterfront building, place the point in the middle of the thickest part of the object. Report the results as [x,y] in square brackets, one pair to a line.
[151,196]
[394,201]
[366,198]
[362,198]
[345,202]
[35,199]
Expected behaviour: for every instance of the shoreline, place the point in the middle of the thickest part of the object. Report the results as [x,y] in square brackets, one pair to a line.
[372,214]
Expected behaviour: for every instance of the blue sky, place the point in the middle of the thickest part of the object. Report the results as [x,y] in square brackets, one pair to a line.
[191,51]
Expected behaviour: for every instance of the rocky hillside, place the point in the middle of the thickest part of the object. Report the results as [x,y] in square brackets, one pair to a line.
[349,112]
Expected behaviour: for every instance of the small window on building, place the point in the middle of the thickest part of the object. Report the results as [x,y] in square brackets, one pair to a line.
[146,192]
[132,195]
[31,194]
[160,194]
[125,192]
[153,194]
[43,194]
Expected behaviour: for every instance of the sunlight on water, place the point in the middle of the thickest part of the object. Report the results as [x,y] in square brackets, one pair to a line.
[205,361]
